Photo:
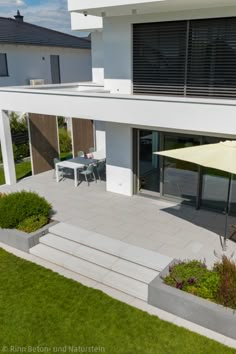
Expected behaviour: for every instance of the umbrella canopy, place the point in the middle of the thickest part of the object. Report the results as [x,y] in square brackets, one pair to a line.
[220,156]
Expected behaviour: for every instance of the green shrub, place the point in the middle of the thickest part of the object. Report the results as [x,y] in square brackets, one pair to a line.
[33,223]
[195,278]
[18,125]
[61,122]
[64,140]
[226,294]
[20,151]
[16,207]
[23,151]
[218,284]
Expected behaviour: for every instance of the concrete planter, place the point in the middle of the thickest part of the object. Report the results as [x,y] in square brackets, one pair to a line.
[22,240]
[190,307]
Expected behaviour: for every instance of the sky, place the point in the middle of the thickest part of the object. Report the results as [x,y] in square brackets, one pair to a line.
[47,13]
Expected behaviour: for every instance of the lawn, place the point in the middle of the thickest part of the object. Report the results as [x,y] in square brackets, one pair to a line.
[23,169]
[41,308]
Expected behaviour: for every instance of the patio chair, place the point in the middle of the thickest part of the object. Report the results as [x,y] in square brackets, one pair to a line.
[55,161]
[88,173]
[80,154]
[91,149]
[101,170]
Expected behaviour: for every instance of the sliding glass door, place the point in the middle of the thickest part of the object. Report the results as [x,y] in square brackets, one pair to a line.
[180,178]
[194,185]
[149,168]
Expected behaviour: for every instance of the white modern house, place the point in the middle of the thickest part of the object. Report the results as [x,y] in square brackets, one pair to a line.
[31,54]
[164,76]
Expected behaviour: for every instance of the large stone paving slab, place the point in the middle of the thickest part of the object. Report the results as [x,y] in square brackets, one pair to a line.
[166,227]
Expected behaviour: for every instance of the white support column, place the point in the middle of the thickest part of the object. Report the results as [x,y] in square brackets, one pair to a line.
[7,150]
[119,159]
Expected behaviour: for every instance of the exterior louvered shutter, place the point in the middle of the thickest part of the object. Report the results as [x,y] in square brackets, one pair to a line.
[159,58]
[212,58]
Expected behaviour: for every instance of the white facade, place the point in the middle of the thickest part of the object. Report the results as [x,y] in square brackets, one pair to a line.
[97,57]
[85,23]
[186,115]
[116,115]
[108,8]
[27,62]
[116,111]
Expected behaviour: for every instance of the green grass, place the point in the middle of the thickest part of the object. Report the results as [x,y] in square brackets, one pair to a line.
[23,169]
[41,308]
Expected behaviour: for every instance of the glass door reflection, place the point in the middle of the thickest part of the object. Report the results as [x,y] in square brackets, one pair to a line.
[149,169]
[180,177]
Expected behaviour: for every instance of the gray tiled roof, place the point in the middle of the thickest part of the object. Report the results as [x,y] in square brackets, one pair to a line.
[16,32]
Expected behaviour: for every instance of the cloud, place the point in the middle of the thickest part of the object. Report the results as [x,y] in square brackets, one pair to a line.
[51,14]
[20,2]
[12,2]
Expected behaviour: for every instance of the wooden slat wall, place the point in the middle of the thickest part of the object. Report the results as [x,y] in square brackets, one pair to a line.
[44,141]
[83,135]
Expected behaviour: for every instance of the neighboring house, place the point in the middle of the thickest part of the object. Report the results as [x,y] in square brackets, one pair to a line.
[164,76]
[29,52]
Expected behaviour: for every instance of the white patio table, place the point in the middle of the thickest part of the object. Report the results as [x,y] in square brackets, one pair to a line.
[69,164]
[75,164]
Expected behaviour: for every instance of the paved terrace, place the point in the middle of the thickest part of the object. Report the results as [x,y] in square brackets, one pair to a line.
[170,228]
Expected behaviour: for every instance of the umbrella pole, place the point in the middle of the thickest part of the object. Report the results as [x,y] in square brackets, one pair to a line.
[227,211]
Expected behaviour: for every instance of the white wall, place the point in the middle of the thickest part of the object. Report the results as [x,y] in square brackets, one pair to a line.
[26,62]
[117,39]
[117,36]
[85,23]
[97,57]
[100,135]
[119,159]
[199,115]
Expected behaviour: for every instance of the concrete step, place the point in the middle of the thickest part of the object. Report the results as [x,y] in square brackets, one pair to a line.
[70,262]
[92,271]
[100,258]
[138,255]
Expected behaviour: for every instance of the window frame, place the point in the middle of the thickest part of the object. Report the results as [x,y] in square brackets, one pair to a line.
[6,65]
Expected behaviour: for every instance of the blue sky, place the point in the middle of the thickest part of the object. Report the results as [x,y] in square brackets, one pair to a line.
[48,13]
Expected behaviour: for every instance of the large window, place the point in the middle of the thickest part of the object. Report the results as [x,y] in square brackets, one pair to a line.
[159,57]
[3,65]
[180,177]
[180,180]
[188,58]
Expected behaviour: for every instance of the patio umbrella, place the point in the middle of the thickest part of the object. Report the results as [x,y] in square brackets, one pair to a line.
[220,156]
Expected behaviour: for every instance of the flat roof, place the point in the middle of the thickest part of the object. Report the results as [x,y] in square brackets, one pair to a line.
[91,89]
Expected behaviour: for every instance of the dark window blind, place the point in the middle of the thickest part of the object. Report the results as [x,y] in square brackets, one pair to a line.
[159,51]
[193,58]
[212,58]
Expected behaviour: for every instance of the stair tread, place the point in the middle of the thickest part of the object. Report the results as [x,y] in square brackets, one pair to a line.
[100,258]
[92,271]
[68,261]
[79,250]
[127,285]
[141,256]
